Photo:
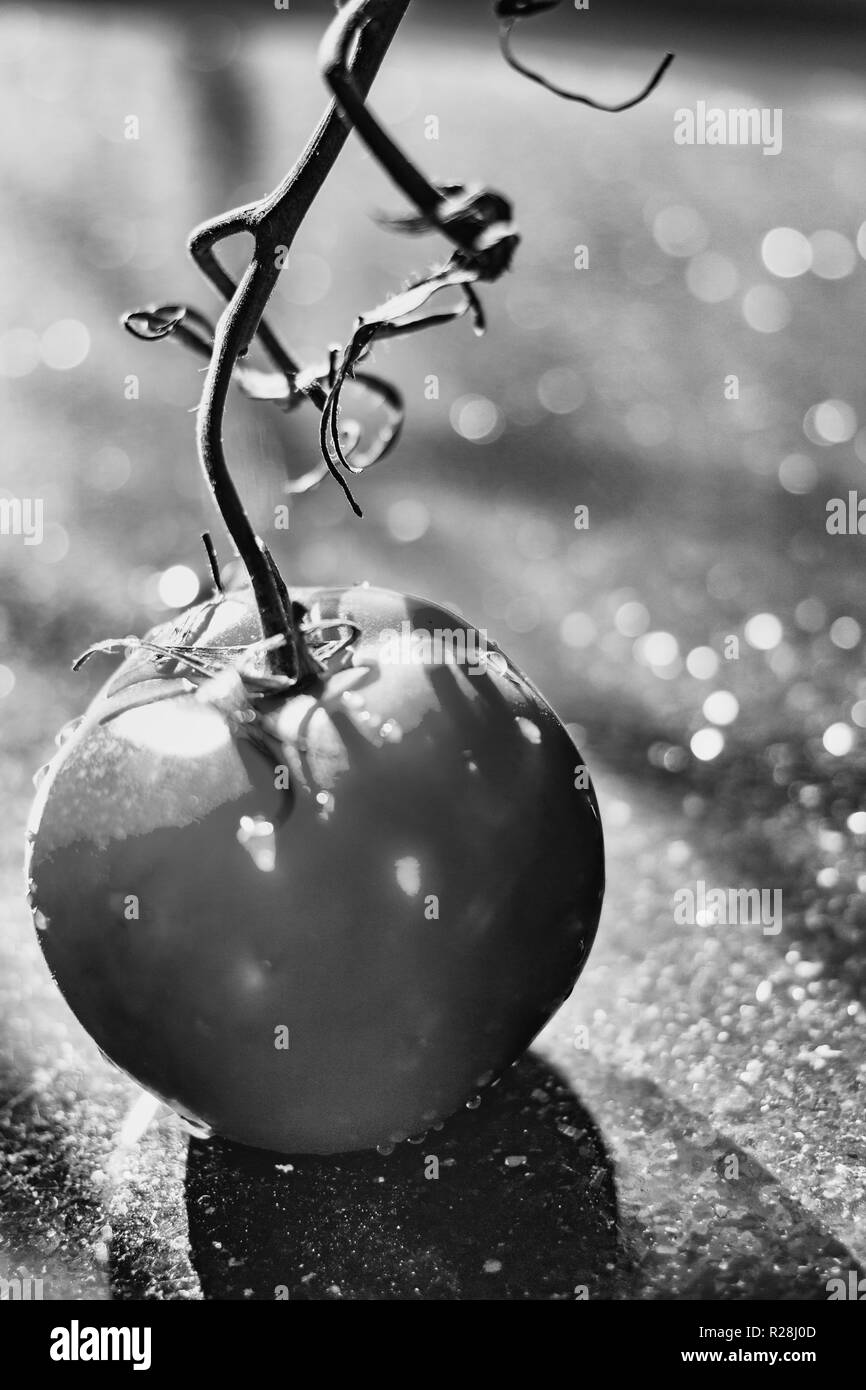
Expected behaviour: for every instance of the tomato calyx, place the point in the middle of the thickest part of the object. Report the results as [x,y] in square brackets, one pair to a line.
[229,678]
[326,639]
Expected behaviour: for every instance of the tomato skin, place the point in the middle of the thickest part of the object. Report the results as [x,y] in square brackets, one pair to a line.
[425,899]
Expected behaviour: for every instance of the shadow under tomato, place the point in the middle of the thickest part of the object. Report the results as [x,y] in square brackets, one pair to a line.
[513,1200]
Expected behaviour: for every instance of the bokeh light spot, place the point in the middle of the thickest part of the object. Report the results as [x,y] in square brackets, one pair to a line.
[797,474]
[763,631]
[833,256]
[838,739]
[407,520]
[560,390]
[786,252]
[632,619]
[707,744]
[476,418]
[722,707]
[845,632]
[702,663]
[711,277]
[657,649]
[680,231]
[830,422]
[810,614]
[109,468]
[766,309]
[19,352]
[177,586]
[65,344]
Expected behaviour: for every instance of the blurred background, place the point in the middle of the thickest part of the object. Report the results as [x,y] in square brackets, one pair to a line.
[610,387]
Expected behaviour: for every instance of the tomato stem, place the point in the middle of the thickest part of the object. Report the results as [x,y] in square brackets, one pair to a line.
[273,223]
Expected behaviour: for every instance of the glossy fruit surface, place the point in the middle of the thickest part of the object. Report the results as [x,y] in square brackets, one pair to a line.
[324,924]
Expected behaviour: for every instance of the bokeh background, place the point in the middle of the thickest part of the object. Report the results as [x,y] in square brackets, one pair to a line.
[683,1046]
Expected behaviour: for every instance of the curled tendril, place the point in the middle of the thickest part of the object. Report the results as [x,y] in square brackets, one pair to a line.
[479,221]
[398,316]
[510,11]
[188,326]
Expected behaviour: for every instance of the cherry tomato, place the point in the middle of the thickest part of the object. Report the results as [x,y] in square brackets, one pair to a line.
[319,921]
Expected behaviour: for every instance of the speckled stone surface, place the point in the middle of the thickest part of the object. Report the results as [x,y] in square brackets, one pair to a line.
[690,1124]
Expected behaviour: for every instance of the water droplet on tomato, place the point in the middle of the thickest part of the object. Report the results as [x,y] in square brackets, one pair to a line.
[353,699]
[40,921]
[326,804]
[408,875]
[530,731]
[41,773]
[195,1128]
[385,1150]
[473,1103]
[65,734]
[391,731]
[256,835]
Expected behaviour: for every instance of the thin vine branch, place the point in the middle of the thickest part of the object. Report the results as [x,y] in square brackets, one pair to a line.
[200,244]
[477,222]
[273,222]
[510,11]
